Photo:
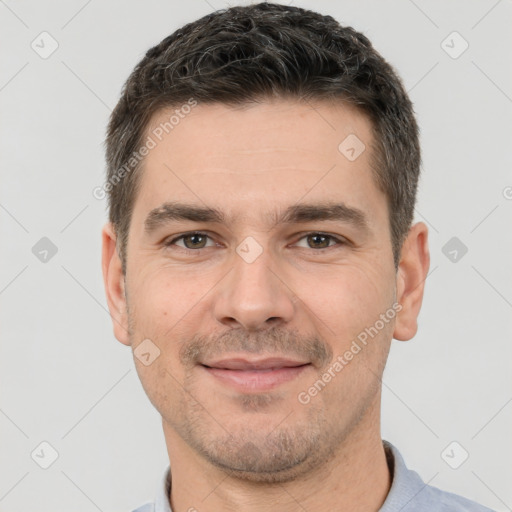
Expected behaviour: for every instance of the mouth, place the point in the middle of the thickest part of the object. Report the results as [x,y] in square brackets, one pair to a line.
[246,375]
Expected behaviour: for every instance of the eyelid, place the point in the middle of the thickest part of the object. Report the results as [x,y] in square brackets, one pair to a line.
[341,240]
[174,239]
[337,238]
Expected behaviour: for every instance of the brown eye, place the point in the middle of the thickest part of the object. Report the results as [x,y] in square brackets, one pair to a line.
[196,241]
[321,241]
[191,241]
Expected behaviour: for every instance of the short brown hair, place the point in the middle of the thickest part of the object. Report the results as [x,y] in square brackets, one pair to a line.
[245,54]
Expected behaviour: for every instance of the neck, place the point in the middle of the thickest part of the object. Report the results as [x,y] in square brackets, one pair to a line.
[355,479]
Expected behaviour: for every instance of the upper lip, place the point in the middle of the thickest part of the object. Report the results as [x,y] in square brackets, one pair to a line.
[241,363]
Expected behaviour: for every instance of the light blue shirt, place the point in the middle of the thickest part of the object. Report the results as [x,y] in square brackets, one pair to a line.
[408,492]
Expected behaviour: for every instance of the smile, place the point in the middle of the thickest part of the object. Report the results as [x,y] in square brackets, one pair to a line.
[257,375]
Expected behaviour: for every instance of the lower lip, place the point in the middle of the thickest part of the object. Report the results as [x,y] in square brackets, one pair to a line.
[256,380]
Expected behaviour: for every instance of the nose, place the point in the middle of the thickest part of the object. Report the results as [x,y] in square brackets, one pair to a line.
[254,295]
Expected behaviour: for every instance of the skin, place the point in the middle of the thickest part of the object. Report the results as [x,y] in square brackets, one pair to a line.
[233,450]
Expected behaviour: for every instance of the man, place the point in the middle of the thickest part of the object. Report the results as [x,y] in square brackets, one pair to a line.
[260,256]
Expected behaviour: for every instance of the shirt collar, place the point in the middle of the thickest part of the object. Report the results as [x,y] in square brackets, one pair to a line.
[163,492]
[405,485]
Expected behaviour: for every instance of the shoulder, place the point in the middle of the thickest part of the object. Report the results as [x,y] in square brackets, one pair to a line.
[409,493]
[444,501]
[148,507]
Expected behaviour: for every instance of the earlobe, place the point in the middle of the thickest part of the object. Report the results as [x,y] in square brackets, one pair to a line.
[113,280]
[412,272]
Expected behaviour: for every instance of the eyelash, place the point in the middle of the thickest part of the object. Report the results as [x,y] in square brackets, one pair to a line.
[169,243]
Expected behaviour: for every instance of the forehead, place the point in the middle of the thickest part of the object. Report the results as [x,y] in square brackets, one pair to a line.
[253,155]
[220,130]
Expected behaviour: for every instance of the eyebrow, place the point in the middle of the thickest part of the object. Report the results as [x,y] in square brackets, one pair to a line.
[300,213]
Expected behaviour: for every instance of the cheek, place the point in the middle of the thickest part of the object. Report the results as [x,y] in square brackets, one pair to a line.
[347,298]
[156,315]
[164,297]
[161,383]
[159,309]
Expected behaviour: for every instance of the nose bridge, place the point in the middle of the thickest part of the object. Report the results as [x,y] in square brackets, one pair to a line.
[253,294]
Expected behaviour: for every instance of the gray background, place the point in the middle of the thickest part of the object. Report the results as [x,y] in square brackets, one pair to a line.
[67,381]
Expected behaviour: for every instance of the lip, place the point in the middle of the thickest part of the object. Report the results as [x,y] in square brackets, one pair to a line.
[242,363]
[255,375]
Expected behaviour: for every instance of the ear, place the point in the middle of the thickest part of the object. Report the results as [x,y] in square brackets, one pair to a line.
[411,275]
[113,279]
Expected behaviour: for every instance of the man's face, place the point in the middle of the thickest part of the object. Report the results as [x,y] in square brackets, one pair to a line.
[247,295]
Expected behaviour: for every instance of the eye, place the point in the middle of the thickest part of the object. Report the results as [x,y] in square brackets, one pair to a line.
[196,240]
[192,241]
[321,240]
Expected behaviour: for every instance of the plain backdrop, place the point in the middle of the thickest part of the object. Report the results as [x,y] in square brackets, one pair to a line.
[67,382]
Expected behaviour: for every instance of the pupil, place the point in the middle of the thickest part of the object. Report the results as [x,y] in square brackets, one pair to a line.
[192,237]
[319,236]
